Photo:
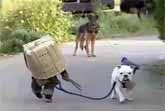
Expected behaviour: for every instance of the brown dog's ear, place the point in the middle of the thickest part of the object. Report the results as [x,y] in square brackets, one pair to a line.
[89,16]
[97,17]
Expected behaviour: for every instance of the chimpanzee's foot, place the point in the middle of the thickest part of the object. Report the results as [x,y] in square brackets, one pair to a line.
[38,95]
[48,98]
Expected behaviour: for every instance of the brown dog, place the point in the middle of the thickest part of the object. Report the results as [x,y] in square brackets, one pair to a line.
[87,34]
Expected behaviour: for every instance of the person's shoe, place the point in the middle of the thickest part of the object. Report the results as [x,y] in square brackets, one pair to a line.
[122,101]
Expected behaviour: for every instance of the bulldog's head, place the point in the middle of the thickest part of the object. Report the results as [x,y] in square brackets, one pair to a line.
[125,73]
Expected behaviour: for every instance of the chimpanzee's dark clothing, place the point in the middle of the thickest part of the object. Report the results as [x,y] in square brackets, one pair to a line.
[46,86]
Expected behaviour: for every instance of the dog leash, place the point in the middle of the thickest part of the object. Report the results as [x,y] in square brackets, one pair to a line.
[87,97]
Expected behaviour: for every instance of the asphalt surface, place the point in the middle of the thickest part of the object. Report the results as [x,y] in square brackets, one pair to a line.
[94,76]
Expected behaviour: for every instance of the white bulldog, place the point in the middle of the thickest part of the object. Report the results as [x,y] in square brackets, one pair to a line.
[123,76]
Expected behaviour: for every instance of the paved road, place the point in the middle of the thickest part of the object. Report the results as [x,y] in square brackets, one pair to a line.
[93,74]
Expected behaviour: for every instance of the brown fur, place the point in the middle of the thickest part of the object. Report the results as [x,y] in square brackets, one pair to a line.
[87,35]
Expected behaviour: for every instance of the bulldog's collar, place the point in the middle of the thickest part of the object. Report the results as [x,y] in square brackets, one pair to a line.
[123,84]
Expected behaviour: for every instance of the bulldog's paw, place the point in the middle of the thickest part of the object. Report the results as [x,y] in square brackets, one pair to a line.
[122,101]
[130,99]
[113,97]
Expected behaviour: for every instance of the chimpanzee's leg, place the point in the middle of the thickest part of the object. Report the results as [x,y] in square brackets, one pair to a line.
[36,88]
[49,88]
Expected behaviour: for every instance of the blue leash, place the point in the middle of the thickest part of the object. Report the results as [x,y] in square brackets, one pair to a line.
[87,97]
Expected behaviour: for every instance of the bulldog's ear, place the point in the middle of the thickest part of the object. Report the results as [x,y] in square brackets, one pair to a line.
[118,67]
[132,67]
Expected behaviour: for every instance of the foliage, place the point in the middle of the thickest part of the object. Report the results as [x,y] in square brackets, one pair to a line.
[43,16]
[12,42]
[22,20]
[160,17]
[114,23]
[124,24]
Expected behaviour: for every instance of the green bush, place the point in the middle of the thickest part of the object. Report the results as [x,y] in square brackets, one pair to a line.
[124,24]
[22,21]
[43,16]
[160,17]
[13,42]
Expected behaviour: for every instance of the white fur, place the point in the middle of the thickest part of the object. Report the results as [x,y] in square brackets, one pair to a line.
[118,76]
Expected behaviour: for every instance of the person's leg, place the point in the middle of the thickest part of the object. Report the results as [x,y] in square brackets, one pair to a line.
[36,88]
